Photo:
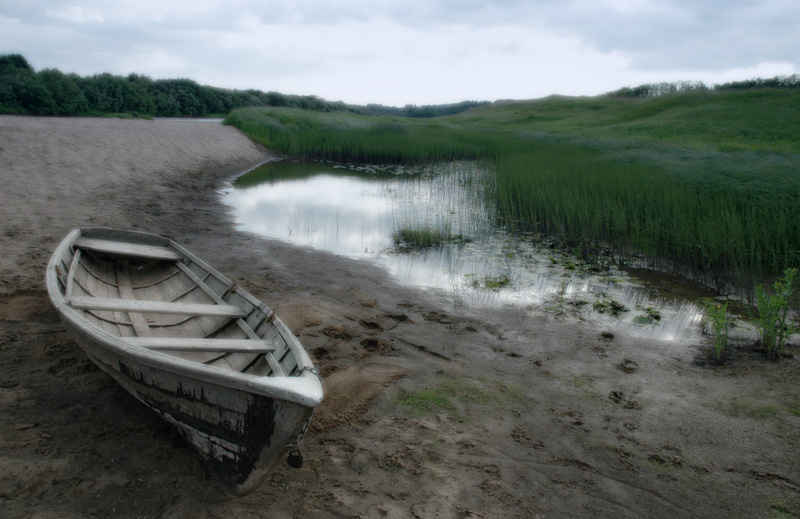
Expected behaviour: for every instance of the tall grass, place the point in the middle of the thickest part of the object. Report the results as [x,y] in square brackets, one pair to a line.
[359,139]
[566,192]
[735,215]
[772,315]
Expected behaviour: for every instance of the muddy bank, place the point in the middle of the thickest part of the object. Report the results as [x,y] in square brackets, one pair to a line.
[429,412]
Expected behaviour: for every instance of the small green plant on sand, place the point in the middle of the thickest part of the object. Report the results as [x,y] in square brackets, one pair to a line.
[779,510]
[716,316]
[455,395]
[771,321]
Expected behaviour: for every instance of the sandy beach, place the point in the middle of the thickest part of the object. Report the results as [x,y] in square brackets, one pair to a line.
[537,416]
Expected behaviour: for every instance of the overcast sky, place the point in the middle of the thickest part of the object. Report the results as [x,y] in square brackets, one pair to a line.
[398,52]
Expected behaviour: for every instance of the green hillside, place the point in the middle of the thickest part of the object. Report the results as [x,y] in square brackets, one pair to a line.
[760,119]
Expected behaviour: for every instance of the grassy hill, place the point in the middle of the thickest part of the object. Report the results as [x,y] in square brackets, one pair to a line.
[765,119]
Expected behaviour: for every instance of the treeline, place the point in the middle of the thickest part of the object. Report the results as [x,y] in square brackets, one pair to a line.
[424,111]
[51,92]
[658,89]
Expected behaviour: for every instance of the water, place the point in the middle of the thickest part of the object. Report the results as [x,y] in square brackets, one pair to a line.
[354,211]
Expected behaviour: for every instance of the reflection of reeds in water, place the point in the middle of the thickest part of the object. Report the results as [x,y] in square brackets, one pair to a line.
[443,208]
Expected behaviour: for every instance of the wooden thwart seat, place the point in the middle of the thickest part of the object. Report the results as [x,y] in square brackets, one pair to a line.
[128,249]
[202,345]
[154,307]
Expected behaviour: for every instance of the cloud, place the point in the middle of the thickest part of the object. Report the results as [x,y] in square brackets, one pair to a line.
[409,51]
[687,34]
[77,15]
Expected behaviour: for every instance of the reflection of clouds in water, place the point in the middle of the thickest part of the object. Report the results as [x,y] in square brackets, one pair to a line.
[463,271]
[324,190]
[356,217]
[335,213]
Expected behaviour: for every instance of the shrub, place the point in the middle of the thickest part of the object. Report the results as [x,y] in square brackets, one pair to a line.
[772,322]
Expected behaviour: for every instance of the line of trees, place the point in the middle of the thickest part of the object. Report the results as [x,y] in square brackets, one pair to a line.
[51,92]
[657,89]
[424,111]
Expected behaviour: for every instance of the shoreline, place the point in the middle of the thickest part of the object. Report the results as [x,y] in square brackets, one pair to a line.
[428,412]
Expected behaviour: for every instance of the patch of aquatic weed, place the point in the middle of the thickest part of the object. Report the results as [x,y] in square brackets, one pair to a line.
[417,238]
[458,395]
[492,282]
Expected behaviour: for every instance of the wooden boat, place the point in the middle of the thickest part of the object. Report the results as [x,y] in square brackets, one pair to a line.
[208,357]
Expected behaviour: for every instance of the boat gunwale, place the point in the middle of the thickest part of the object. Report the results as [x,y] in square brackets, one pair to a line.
[304,388]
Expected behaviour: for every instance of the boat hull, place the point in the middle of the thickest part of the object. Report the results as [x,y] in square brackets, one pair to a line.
[240,427]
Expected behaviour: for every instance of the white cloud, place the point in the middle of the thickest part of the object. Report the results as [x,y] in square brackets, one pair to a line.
[628,6]
[77,14]
[8,22]
[155,62]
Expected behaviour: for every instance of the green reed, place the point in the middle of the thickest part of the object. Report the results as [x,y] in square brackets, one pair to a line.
[772,314]
[566,192]
[359,139]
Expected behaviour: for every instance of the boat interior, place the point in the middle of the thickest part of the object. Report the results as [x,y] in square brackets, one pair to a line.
[158,298]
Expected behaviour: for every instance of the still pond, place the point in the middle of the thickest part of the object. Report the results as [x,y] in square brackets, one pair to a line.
[357,211]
